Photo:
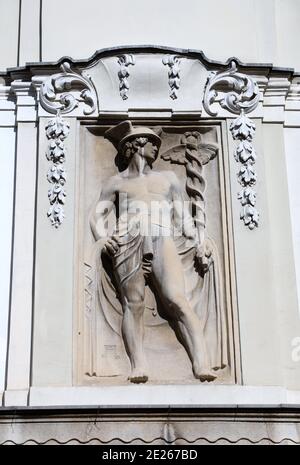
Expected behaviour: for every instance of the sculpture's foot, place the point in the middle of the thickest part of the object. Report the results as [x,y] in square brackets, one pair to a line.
[204,374]
[138,376]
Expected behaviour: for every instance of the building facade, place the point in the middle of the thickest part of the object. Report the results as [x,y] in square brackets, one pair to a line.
[84,95]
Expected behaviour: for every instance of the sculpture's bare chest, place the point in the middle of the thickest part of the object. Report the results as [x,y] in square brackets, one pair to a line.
[154,186]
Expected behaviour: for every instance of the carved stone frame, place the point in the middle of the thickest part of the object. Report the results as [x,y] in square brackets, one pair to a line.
[227,233]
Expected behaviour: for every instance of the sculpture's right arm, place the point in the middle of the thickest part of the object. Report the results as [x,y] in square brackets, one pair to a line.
[103,208]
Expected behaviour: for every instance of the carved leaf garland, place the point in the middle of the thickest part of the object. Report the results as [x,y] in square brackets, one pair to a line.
[243,129]
[247,196]
[56,131]
[239,94]
[173,63]
[124,61]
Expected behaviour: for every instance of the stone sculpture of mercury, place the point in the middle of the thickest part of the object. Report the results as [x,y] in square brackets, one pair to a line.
[142,247]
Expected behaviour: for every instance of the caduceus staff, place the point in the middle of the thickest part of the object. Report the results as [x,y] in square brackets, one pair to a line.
[194,154]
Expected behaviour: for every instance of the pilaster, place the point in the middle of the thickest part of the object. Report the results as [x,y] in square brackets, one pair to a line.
[7,167]
[19,347]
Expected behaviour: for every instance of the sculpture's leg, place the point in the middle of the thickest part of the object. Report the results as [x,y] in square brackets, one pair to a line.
[169,281]
[133,303]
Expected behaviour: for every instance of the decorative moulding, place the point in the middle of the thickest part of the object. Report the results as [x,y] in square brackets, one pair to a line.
[265,74]
[57,93]
[294,90]
[261,72]
[57,131]
[265,69]
[242,130]
[235,86]
[7,102]
[233,90]
[4,92]
[124,61]
[173,62]
[239,94]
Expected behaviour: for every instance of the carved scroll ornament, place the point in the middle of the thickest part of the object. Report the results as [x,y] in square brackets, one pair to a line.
[58,91]
[238,94]
[233,90]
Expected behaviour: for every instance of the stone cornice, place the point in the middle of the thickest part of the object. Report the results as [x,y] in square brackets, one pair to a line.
[278,87]
[25,96]
[50,67]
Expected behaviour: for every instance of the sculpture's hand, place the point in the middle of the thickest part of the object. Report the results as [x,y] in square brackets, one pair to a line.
[111,246]
[204,257]
[190,233]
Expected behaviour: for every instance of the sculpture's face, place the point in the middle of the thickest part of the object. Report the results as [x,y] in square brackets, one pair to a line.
[150,152]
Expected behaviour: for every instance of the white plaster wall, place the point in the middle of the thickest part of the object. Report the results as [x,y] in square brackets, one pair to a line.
[7,162]
[190,24]
[19,351]
[9,24]
[29,44]
[292,156]
[53,319]
[288,33]
[253,30]
[284,288]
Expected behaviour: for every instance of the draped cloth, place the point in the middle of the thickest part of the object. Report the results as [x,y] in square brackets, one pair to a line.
[107,356]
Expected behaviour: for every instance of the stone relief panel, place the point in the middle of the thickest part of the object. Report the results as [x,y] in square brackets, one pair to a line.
[155,299]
